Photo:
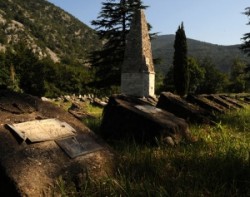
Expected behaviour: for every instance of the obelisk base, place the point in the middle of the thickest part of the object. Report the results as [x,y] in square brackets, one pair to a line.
[138,84]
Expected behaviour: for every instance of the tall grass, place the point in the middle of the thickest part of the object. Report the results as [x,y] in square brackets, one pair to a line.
[217,164]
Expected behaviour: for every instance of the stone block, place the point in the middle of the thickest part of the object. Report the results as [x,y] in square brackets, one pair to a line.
[130,118]
[181,108]
[32,169]
[205,103]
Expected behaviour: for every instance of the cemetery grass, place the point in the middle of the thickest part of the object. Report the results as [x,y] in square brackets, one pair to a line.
[217,164]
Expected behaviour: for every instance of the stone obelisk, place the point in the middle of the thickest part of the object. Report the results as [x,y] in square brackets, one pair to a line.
[138,76]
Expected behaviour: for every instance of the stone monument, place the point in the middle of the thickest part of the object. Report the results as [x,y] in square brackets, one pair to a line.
[138,76]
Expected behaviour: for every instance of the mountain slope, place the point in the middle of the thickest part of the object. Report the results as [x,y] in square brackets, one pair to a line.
[222,56]
[47,29]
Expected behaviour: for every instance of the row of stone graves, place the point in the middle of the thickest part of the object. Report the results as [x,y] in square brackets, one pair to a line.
[127,117]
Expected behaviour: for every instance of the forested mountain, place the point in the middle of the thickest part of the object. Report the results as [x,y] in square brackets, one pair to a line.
[222,56]
[45,50]
[46,29]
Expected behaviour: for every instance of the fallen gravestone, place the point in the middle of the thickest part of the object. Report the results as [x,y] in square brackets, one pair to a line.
[233,101]
[206,104]
[181,108]
[130,118]
[217,99]
[40,142]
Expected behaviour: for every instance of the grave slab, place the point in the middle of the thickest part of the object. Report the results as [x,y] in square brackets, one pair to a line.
[78,145]
[33,168]
[42,130]
[181,108]
[130,118]
[217,99]
[206,104]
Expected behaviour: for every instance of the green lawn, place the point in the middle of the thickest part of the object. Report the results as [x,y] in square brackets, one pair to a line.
[217,164]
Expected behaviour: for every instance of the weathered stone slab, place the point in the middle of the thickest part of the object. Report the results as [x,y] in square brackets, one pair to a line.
[205,103]
[32,169]
[42,130]
[78,145]
[130,118]
[220,101]
[233,101]
[181,108]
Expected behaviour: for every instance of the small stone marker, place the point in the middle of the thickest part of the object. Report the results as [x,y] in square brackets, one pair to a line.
[78,145]
[42,130]
[138,76]
[131,118]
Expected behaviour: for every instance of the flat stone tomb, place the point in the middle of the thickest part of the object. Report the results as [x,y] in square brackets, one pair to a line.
[52,129]
[148,109]
[78,145]
[42,130]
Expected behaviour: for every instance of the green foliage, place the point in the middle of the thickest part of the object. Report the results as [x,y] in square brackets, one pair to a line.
[42,25]
[245,47]
[196,73]
[238,77]
[214,80]
[21,70]
[169,80]
[204,78]
[222,56]
[181,70]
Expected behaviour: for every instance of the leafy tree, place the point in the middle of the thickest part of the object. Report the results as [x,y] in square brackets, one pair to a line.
[181,71]
[112,25]
[238,77]
[214,80]
[169,80]
[196,73]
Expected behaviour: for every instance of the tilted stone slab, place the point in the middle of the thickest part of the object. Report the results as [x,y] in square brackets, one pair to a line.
[32,169]
[206,104]
[233,101]
[247,99]
[217,99]
[130,118]
[181,108]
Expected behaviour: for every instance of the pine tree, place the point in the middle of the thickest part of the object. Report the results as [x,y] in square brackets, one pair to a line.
[181,71]
[245,47]
[112,26]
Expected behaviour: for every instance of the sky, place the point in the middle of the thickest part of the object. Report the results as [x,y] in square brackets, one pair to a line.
[214,21]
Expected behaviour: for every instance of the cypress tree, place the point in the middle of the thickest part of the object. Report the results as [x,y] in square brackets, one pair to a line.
[181,71]
[112,26]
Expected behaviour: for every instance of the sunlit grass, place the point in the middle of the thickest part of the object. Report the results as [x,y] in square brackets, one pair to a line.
[217,164]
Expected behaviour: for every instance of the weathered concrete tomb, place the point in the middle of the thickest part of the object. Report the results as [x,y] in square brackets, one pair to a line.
[138,76]
[181,108]
[131,118]
[40,142]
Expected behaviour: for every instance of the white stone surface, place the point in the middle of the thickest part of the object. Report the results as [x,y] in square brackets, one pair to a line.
[138,84]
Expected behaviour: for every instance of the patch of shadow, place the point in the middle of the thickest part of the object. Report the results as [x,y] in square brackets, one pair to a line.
[7,187]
